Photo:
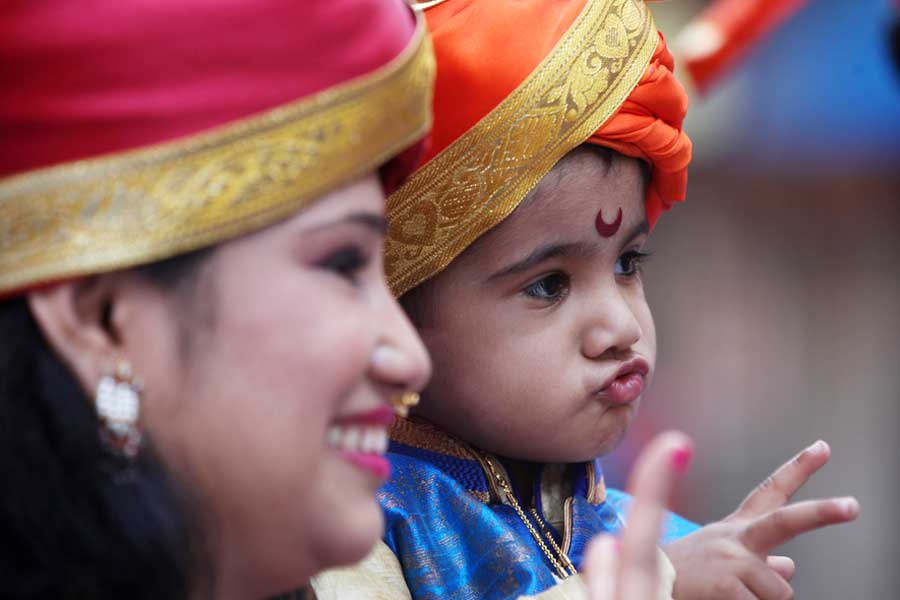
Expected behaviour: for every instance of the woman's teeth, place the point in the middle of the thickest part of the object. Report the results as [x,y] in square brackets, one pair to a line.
[365,439]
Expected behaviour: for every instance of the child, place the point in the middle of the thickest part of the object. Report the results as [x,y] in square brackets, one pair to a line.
[516,250]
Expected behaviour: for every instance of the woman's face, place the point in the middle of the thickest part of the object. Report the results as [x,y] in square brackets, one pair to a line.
[267,386]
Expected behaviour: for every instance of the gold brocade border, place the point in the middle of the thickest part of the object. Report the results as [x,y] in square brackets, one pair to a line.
[421,434]
[145,205]
[481,177]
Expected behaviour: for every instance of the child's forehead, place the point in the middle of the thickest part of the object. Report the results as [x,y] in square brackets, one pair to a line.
[586,190]
[578,202]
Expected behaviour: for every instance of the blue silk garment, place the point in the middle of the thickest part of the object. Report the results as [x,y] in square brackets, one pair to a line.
[456,539]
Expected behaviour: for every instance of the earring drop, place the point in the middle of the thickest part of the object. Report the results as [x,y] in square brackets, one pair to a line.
[403,402]
[118,406]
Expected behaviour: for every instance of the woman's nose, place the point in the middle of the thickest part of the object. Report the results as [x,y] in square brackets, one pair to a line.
[400,360]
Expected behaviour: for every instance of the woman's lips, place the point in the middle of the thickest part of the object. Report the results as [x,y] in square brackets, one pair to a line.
[627,384]
[362,440]
[376,464]
[382,414]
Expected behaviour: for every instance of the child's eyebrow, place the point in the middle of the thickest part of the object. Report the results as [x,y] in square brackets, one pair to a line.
[554,250]
[545,252]
[639,229]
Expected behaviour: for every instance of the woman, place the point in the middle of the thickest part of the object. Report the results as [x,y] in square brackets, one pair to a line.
[197,346]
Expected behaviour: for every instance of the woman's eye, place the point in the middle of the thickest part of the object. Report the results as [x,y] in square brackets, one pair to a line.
[630,263]
[550,288]
[346,262]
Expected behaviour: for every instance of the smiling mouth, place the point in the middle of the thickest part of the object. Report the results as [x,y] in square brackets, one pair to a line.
[362,445]
[362,439]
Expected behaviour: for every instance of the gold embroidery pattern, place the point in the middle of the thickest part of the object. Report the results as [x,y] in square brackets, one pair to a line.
[481,177]
[131,208]
[419,433]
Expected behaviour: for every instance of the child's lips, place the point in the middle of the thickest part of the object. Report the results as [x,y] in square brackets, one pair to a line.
[624,390]
[627,383]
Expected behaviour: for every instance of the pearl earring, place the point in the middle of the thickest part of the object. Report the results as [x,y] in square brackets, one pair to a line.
[118,406]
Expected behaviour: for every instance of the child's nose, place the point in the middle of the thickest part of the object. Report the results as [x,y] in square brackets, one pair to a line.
[612,328]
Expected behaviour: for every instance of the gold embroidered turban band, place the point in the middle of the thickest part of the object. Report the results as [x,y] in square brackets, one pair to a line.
[147,202]
[519,85]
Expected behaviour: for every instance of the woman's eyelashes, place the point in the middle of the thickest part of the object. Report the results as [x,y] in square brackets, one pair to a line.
[630,263]
[347,262]
[550,288]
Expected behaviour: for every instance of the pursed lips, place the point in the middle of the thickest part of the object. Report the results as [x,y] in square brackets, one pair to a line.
[626,384]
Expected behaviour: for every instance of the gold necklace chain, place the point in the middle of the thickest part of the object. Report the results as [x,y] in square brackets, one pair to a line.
[565,558]
[561,571]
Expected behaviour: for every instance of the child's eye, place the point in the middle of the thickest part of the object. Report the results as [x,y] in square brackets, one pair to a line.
[550,288]
[630,263]
[346,262]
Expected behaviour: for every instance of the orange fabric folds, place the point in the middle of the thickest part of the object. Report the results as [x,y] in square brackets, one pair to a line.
[649,126]
[520,84]
[486,49]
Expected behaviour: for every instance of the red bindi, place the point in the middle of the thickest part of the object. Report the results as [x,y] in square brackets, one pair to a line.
[608,229]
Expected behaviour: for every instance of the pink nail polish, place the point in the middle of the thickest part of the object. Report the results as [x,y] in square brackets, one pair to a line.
[681,458]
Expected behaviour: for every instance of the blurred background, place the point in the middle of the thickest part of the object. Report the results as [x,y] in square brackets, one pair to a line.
[776,287]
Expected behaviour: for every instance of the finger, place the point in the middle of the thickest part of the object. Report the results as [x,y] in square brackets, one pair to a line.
[766,584]
[778,488]
[782,525]
[651,483]
[783,565]
[600,568]
[732,589]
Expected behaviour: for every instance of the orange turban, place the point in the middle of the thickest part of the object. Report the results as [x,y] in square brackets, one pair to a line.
[519,85]
[648,126]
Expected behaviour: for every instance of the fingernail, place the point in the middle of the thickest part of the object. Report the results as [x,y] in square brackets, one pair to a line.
[681,458]
[849,506]
[819,446]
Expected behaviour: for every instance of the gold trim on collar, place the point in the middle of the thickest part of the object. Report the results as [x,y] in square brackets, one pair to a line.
[481,177]
[140,206]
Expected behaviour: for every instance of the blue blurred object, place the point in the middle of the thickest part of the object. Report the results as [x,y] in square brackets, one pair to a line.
[824,89]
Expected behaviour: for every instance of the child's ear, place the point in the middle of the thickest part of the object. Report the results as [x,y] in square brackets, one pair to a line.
[77,319]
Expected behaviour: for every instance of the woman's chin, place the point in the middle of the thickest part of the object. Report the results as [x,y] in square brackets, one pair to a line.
[353,534]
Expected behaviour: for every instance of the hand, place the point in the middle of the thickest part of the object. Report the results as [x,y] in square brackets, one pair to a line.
[729,560]
[630,570]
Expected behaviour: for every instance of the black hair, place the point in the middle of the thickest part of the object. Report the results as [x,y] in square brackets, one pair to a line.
[77,521]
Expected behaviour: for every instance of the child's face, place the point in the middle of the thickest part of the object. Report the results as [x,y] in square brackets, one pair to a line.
[540,334]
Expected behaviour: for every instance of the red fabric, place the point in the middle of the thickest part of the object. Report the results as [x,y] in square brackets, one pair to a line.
[742,23]
[91,77]
[485,50]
